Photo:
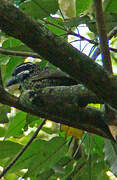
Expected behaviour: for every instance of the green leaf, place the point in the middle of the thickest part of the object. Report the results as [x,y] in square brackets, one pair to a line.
[82,6]
[3,113]
[43,176]
[55,24]
[16,125]
[74,22]
[4,59]
[110,6]
[9,149]
[2,131]
[11,42]
[39,8]
[8,69]
[41,155]
[31,120]
[97,147]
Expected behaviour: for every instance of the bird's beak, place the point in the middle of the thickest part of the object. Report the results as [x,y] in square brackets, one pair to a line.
[11,82]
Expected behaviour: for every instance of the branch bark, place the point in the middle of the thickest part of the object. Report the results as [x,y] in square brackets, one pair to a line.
[68,112]
[69,59]
[15,23]
[89,119]
[102,35]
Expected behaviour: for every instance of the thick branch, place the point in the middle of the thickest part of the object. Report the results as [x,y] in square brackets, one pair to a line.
[57,51]
[89,119]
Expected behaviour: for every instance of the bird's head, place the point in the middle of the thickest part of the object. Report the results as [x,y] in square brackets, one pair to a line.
[21,72]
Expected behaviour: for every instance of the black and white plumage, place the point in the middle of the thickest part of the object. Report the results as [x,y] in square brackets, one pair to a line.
[30,76]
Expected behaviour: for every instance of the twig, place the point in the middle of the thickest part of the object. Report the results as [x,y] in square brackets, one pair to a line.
[83,38]
[69,32]
[18,53]
[57,26]
[23,149]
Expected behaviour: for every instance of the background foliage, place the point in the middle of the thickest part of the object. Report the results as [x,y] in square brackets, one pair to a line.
[53,155]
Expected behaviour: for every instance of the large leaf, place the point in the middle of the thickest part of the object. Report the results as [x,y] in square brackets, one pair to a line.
[40,8]
[9,149]
[16,125]
[41,155]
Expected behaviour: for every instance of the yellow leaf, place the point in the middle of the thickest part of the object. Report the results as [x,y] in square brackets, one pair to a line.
[70,131]
[68,7]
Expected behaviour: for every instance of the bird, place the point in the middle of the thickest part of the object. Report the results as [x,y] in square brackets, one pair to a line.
[31,76]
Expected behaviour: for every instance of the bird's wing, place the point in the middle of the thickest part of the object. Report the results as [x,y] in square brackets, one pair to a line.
[50,73]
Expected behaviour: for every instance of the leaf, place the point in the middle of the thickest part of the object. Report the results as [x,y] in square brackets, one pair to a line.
[2,131]
[68,7]
[96,143]
[31,120]
[16,125]
[81,6]
[55,24]
[110,150]
[110,6]
[9,149]
[4,59]
[11,42]
[3,113]
[70,131]
[8,69]
[41,155]
[94,168]
[74,22]
[39,8]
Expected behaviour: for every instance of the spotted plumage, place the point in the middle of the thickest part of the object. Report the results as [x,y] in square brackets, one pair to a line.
[30,76]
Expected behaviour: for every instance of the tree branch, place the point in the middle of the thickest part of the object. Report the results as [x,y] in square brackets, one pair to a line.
[67,112]
[42,41]
[89,119]
[48,45]
[102,35]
